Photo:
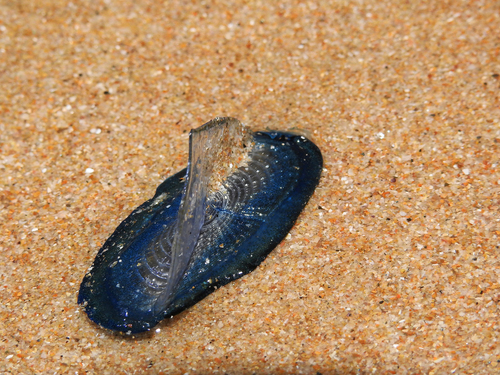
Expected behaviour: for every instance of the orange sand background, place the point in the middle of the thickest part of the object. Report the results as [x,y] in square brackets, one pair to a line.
[393,267]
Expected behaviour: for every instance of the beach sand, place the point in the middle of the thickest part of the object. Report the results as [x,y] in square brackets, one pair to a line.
[392,268]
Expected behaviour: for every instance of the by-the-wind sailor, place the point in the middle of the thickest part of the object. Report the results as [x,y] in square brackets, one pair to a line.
[207,225]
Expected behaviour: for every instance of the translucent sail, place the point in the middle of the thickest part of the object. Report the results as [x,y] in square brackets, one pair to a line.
[215,150]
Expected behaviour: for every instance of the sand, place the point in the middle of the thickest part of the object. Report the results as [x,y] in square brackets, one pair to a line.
[392,268]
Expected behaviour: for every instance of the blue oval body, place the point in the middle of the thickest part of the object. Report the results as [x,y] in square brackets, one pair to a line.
[243,223]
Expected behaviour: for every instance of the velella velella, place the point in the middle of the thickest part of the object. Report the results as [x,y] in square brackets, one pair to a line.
[206,225]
